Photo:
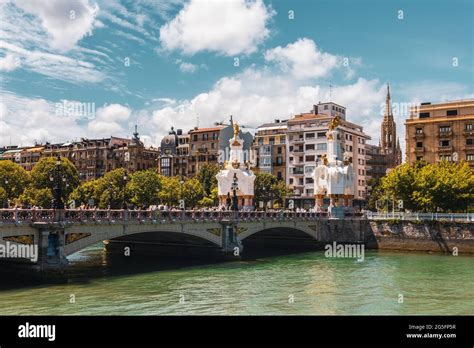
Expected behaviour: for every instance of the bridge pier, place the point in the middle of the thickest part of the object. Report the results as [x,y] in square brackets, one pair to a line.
[50,239]
[231,245]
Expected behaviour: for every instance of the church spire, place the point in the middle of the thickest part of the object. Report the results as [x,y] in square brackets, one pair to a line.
[388,103]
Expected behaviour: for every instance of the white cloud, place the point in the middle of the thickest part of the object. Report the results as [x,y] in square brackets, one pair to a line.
[109,120]
[303,59]
[258,96]
[54,65]
[8,63]
[66,22]
[25,120]
[225,27]
[24,37]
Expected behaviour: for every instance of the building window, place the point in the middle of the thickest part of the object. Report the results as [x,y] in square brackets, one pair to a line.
[195,137]
[419,158]
[444,143]
[260,141]
[469,141]
[310,136]
[424,115]
[279,161]
[279,176]
[451,112]
[309,147]
[444,129]
[271,141]
[321,134]
[468,127]
[322,146]
[419,144]
[419,131]
[282,139]
[470,157]
[309,158]
[445,157]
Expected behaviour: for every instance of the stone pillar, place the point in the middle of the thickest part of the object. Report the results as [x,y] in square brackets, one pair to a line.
[231,245]
[319,201]
[51,243]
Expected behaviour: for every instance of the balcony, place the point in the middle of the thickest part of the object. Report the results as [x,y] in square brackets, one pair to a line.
[419,149]
[297,141]
[297,171]
[445,149]
[468,132]
[419,135]
[297,151]
[447,134]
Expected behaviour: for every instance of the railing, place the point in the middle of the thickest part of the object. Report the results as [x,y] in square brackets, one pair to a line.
[111,215]
[421,216]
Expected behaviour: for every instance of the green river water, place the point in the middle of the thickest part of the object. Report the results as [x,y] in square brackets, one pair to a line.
[298,284]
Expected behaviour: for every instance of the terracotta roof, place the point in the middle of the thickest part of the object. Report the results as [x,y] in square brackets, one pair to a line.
[209,129]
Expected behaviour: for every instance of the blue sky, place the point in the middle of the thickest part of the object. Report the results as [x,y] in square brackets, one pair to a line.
[182,62]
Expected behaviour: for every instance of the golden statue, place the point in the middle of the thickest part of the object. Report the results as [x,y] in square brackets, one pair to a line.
[324,158]
[236,133]
[335,122]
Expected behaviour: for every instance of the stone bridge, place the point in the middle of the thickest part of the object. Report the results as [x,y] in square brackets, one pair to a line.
[60,233]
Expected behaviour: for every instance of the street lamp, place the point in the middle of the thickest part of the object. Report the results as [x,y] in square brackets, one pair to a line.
[125,178]
[181,203]
[235,187]
[57,189]
[7,190]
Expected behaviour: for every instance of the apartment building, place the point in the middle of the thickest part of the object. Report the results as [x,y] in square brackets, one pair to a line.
[203,147]
[174,153]
[270,147]
[94,157]
[441,131]
[26,157]
[306,142]
[211,145]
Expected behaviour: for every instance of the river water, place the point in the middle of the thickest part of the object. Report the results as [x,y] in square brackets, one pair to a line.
[298,284]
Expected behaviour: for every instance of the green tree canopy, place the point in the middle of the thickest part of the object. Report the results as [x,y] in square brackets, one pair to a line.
[13,179]
[144,188]
[193,192]
[40,197]
[43,175]
[425,187]
[171,190]
[207,177]
[268,188]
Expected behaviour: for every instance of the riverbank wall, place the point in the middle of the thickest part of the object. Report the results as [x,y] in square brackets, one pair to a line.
[433,236]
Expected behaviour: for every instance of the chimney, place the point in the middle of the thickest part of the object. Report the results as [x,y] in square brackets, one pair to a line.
[315,109]
[277,120]
[179,131]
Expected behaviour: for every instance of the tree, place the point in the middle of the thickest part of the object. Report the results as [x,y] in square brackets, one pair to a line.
[207,177]
[84,192]
[269,188]
[3,198]
[36,197]
[13,179]
[425,187]
[171,191]
[193,192]
[43,175]
[144,187]
[112,190]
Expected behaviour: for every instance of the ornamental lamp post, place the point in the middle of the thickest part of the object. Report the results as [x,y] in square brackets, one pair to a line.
[125,179]
[57,189]
[235,187]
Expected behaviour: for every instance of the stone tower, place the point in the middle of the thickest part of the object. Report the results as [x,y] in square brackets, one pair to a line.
[389,143]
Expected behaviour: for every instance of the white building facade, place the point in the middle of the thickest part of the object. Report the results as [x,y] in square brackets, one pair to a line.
[307,143]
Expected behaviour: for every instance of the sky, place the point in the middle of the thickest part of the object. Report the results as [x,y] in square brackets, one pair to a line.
[164,63]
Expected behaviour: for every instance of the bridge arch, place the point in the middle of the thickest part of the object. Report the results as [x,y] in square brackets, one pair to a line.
[166,233]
